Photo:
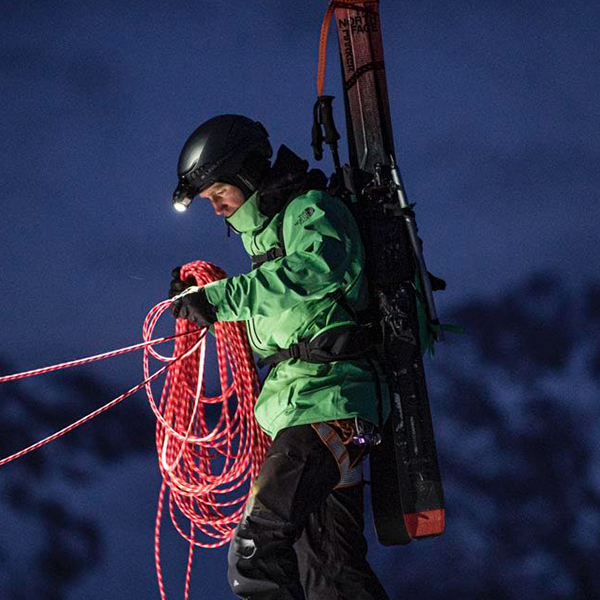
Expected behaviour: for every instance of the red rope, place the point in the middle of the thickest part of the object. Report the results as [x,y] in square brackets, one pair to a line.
[89,359]
[209,448]
[205,466]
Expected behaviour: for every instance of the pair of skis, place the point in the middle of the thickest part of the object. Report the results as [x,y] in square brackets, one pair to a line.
[407,491]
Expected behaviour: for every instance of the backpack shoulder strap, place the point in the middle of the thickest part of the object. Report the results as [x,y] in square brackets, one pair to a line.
[277,251]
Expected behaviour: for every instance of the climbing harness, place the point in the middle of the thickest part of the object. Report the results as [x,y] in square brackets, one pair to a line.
[350,474]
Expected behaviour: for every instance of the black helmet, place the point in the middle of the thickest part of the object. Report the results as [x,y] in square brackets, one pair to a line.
[228,149]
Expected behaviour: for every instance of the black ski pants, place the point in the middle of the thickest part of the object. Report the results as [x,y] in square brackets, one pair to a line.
[299,537]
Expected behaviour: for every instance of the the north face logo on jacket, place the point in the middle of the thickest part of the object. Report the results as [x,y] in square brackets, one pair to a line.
[304,216]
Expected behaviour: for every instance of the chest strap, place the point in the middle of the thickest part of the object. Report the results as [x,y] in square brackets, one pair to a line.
[272,254]
[278,251]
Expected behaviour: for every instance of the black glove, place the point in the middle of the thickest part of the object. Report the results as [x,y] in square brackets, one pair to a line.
[196,308]
[177,286]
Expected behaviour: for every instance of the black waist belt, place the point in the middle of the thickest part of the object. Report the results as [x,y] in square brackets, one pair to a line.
[346,342]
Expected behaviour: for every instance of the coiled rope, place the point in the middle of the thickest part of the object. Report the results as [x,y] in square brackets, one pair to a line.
[209,448]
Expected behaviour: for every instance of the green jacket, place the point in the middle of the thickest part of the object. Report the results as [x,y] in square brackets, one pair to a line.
[285,300]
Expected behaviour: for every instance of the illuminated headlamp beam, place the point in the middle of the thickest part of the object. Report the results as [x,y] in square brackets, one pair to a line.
[179,206]
[182,197]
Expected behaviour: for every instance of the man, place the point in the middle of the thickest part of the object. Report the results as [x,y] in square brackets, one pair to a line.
[301,535]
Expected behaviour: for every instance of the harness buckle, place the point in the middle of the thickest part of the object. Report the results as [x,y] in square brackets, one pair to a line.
[303,350]
[367,434]
[273,253]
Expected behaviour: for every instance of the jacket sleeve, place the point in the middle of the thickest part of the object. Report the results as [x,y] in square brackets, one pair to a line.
[316,231]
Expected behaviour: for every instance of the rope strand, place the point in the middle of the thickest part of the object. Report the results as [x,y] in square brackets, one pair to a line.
[206,469]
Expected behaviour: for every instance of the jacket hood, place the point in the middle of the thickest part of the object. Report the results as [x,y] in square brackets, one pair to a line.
[288,178]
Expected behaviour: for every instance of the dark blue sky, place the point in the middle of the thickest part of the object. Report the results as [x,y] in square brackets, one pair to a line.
[495,106]
[496,111]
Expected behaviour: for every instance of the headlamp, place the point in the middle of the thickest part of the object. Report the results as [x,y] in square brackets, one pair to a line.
[183,196]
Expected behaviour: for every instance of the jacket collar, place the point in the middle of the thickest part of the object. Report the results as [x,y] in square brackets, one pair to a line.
[247,217]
